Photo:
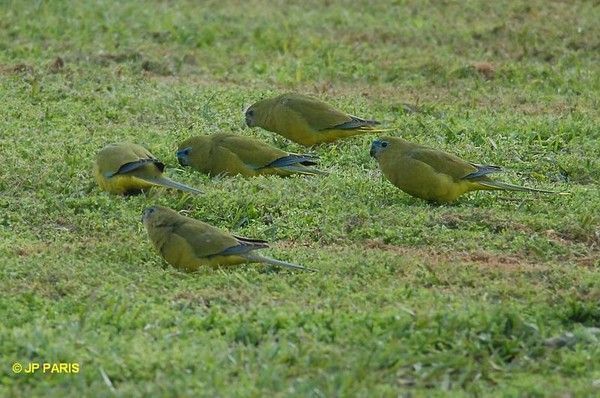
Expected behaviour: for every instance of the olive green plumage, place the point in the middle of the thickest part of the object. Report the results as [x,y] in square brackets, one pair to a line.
[126,168]
[189,244]
[431,174]
[306,120]
[231,154]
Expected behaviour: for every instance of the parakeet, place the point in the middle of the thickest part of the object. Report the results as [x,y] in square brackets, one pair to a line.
[189,244]
[231,154]
[434,175]
[306,120]
[126,169]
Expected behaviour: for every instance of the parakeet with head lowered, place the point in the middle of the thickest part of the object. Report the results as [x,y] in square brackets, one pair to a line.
[127,169]
[231,154]
[434,175]
[306,120]
[188,244]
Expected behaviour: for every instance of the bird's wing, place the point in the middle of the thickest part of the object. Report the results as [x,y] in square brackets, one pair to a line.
[204,239]
[357,123]
[292,159]
[245,245]
[135,165]
[482,171]
[443,162]
[141,152]
[251,152]
[318,115]
[122,158]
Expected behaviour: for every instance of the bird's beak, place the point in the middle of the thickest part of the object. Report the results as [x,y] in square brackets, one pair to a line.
[248,118]
[144,215]
[374,148]
[182,157]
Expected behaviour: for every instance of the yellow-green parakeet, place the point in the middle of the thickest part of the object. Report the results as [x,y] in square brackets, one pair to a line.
[231,154]
[431,174]
[306,120]
[188,244]
[126,168]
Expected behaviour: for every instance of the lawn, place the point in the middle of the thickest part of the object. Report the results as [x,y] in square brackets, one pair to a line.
[496,295]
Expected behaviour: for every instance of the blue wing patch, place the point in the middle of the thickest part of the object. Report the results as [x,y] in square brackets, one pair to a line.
[482,170]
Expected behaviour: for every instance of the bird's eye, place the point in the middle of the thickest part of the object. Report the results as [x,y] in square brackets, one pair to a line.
[384,144]
[250,112]
[186,151]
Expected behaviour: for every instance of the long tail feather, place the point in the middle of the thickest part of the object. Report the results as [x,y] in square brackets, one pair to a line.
[268,260]
[167,182]
[509,187]
[375,130]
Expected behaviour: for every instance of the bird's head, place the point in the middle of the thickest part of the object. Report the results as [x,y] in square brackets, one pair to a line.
[378,146]
[183,155]
[158,216]
[250,115]
[149,213]
[259,114]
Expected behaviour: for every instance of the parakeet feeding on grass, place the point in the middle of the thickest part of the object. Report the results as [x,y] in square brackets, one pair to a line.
[231,154]
[434,175]
[126,169]
[306,120]
[188,244]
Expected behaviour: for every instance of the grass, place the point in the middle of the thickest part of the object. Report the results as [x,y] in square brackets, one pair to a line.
[411,299]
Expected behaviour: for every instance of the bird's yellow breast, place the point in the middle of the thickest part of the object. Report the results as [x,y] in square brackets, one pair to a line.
[177,251]
[422,181]
[295,128]
[185,260]
[229,164]
[120,184]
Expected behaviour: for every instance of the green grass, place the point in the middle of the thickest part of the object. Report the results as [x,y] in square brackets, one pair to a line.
[410,298]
